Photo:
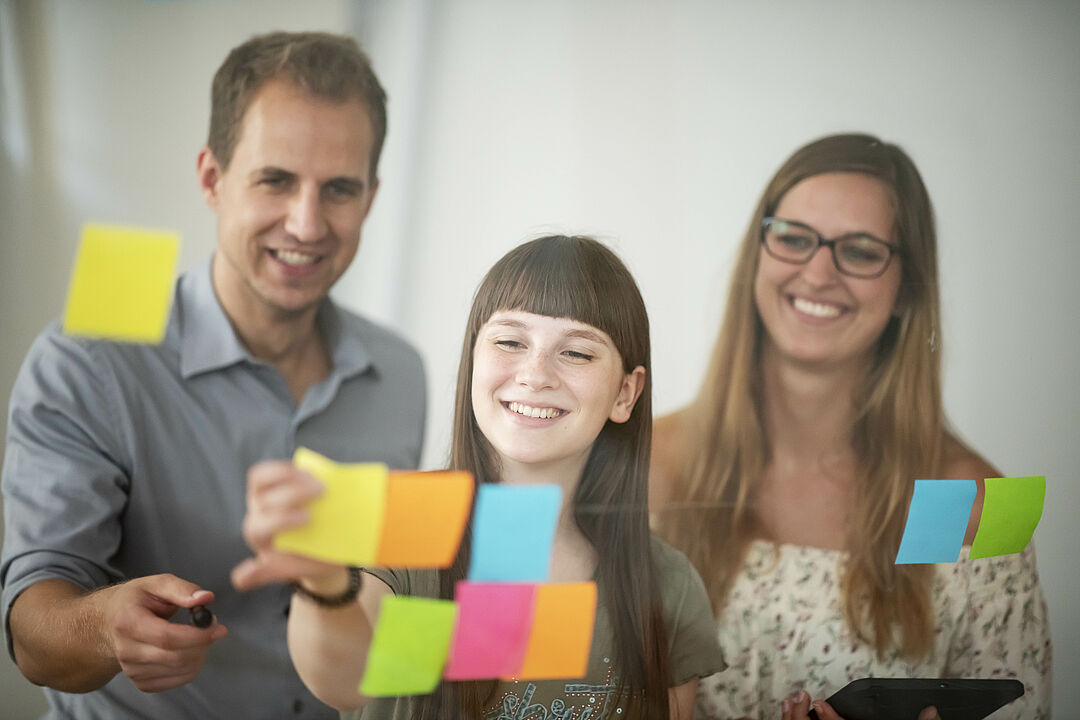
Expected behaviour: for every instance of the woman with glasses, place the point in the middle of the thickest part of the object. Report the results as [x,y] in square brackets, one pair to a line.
[787,480]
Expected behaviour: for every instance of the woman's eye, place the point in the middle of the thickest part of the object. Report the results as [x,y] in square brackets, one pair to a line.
[795,242]
[863,253]
[578,355]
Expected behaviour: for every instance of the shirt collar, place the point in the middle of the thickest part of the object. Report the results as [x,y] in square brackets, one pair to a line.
[208,341]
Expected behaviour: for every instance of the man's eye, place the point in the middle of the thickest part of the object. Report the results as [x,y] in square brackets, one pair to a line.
[274,182]
[342,191]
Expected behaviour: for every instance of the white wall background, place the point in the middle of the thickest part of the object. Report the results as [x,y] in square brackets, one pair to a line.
[654,126]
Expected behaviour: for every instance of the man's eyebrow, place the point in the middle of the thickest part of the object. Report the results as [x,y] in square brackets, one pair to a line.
[353,182]
[267,171]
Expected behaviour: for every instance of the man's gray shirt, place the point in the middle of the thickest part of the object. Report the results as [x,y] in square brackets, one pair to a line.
[130,460]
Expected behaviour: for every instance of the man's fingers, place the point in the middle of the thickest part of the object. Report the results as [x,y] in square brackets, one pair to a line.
[929,713]
[173,637]
[173,590]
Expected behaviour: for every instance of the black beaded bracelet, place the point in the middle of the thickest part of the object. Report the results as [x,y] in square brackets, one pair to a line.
[356,580]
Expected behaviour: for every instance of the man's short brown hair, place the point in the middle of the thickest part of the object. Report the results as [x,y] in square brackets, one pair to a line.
[328,66]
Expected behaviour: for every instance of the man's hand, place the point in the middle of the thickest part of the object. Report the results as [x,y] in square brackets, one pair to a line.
[74,641]
[155,653]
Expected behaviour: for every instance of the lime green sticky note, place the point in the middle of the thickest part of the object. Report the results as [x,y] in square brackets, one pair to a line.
[122,283]
[346,520]
[1011,511]
[409,648]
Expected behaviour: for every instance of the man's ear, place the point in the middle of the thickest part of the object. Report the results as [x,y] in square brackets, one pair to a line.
[209,173]
[632,385]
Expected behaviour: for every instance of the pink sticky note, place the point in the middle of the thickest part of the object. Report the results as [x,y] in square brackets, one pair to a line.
[492,629]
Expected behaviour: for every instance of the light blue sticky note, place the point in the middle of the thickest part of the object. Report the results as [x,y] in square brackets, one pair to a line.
[513,527]
[937,521]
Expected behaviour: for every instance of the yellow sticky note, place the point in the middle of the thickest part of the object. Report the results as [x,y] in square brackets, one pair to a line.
[562,632]
[425,518]
[122,284]
[347,519]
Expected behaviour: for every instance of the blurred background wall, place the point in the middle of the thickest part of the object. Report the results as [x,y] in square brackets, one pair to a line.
[652,125]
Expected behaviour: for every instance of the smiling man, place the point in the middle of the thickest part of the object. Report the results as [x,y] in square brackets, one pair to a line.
[124,476]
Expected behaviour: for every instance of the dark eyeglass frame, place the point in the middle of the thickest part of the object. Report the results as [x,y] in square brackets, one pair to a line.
[831,244]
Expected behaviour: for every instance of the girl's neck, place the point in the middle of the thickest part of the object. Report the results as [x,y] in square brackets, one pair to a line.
[809,412]
[570,545]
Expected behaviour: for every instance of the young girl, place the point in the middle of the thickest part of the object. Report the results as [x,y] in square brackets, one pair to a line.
[557,326]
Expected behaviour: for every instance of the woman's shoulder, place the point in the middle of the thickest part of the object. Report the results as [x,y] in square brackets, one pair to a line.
[670,448]
[962,463]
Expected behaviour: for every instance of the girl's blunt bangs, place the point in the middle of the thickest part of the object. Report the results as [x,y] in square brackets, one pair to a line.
[561,277]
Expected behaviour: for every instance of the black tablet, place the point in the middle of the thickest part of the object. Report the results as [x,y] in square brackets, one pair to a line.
[904,698]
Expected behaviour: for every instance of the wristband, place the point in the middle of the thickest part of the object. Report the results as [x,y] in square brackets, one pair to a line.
[346,597]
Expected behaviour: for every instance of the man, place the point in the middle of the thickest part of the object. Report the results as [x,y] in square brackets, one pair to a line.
[124,477]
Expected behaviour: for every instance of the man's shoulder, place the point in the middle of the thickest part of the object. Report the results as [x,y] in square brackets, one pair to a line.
[54,350]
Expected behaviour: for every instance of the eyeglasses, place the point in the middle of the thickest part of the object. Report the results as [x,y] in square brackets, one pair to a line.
[859,255]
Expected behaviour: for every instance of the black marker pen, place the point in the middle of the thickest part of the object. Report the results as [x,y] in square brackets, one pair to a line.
[201,617]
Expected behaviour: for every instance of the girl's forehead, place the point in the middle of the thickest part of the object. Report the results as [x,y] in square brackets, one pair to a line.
[527,321]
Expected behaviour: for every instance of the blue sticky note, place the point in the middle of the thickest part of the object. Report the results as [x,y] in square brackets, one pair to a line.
[937,521]
[513,527]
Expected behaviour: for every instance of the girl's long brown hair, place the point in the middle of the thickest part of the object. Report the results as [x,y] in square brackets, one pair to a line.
[899,432]
[578,278]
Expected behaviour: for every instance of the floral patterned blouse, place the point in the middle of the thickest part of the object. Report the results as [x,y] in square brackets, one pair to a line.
[784,629]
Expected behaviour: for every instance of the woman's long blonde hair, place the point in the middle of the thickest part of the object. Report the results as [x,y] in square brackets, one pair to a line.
[899,431]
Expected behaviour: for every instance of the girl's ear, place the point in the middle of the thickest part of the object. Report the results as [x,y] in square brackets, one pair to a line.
[632,385]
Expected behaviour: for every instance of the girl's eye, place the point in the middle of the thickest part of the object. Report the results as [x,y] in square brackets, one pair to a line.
[509,344]
[577,355]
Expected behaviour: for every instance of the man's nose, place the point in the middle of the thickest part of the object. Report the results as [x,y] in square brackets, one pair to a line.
[305,220]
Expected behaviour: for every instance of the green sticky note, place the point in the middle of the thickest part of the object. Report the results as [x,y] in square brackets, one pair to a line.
[122,284]
[409,648]
[346,520]
[1011,511]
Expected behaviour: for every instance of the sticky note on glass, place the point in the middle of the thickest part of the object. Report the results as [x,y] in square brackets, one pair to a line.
[492,629]
[937,521]
[513,527]
[562,632]
[409,648]
[425,518]
[1012,508]
[122,284]
[346,520]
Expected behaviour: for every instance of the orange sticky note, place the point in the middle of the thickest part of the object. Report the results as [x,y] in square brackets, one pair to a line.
[562,632]
[346,520]
[122,284]
[425,518]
